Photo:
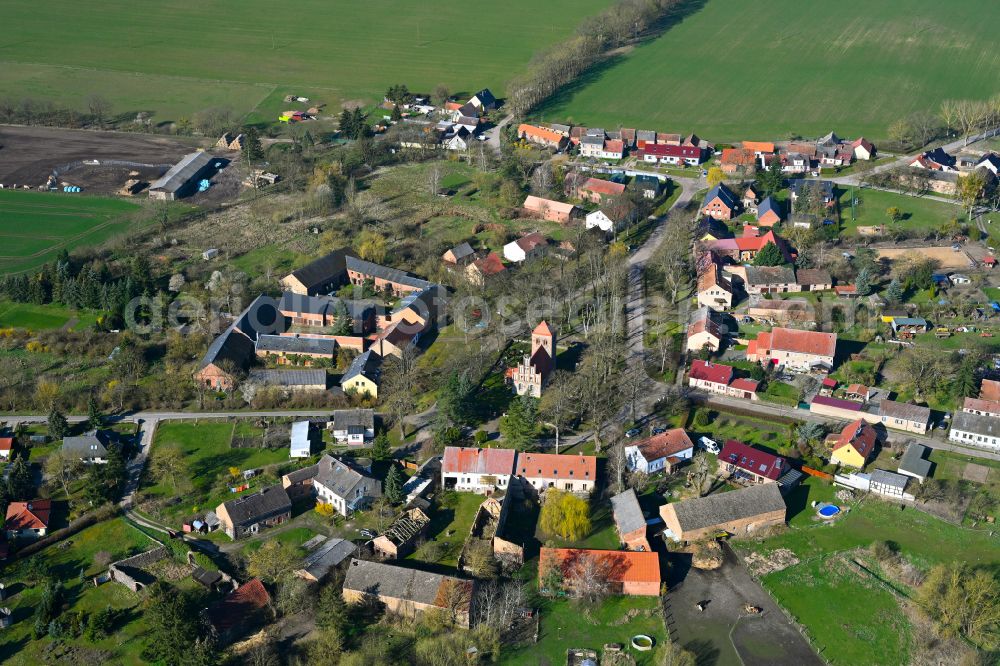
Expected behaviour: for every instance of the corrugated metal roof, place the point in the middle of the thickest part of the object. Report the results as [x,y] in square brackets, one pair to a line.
[182,172]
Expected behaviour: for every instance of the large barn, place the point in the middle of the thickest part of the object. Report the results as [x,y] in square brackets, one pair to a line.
[182,178]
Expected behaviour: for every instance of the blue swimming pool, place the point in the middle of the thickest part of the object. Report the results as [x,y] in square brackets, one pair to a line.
[829,511]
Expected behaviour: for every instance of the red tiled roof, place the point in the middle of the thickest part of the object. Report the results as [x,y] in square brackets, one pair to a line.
[531,241]
[542,329]
[752,460]
[846,289]
[759,146]
[33,515]
[979,405]
[989,390]
[622,566]
[491,264]
[542,133]
[6,443]
[804,342]
[664,445]
[859,434]
[715,373]
[614,146]
[743,384]
[760,345]
[602,186]
[238,606]
[737,156]
[667,150]
[553,466]
[461,459]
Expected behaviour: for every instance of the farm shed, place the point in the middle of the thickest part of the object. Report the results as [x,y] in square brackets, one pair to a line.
[182,178]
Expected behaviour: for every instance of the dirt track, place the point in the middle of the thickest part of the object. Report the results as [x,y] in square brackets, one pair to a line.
[29,154]
[948,257]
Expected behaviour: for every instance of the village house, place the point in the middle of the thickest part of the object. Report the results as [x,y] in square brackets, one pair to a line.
[602,220]
[738,512]
[715,289]
[249,514]
[770,280]
[720,203]
[902,416]
[344,487]
[305,311]
[530,376]
[855,445]
[813,279]
[542,136]
[863,149]
[353,427]
[548,209]
[650,186]
[597,191]
[759,148]
[745,248]
[751,197]
[736,160]
[6,446]
[934,160]
[659,452]
[527,247]
[629,521]
[364,375]
[484,268]
[704,331]
[768,212]
[748,465]
[670,154]
[799,351]
[28,520]
[401,538]
[981,407]
[240,612]
[476,470]
[572,473]
[719,378]
[838,408]
[628,572]
[781,312]
[90,448]
[979,431]
[592,142]
[889,484]
[410,592]
[460,255]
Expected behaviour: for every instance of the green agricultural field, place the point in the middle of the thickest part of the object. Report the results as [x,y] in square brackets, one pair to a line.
[42,317]
[176,58]
[760,70]
[35,226]
[919,213]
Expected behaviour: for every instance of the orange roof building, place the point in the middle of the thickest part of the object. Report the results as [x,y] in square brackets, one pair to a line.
[759,147]
[239,611]
[734,159]
[484,268]
[596,190]
[548,209]
[855,444]
[800,351]
[542,136]
[989,390]
[28,519]
[6,444]
[628,572]
[574,473]
[659,452]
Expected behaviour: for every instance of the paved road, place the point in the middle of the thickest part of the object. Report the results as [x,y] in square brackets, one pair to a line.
[138,462]
[13,419]
[493,134]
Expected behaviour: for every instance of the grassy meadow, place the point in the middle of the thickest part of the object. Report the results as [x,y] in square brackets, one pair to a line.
[35,226]
[734,70]
[176,57]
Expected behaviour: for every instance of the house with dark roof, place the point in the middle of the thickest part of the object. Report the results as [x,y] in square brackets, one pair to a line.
[242,611]
[320,276]
[768,212]
[720,203]
[304,350]
[353,427]
[484,101]
[813,279]
[660,452]
[629,521]
[181,180]
[770,280]
[328,556]
[249,514]
[903,416]
[738,512]
[460,255]
[400,539]
[344,487]
[823,188]
[976,431]
[705,330]
[410,592]
[234,350]
[914,462]
[746,464]
[935,160]
[90,448]
[364,375]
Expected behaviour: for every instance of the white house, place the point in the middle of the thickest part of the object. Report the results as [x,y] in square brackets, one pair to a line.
[344,487]
[524,248]
[960,278]
[976,430]
[601,220]
[659,452]
[353,427]
[476,470]
[301,446]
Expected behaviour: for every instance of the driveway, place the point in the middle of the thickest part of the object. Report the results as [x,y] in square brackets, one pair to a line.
[723,634]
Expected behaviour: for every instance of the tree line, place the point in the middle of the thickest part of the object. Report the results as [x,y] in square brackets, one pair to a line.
[561,63]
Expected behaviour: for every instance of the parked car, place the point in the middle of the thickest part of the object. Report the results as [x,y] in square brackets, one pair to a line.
[367,534]
[634,432]
[709,445]
[658,430]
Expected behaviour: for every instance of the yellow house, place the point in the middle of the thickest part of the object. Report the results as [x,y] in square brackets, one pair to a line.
[855,444]
[364,375]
